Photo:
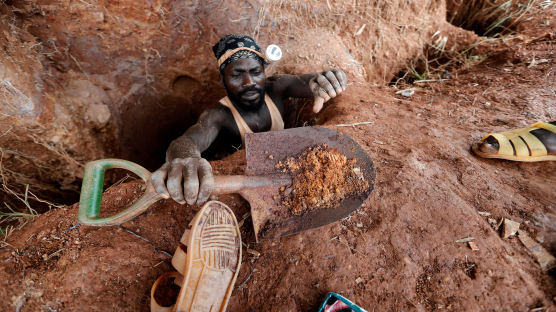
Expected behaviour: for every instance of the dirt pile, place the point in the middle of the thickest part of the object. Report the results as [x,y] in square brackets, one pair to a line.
[321,177]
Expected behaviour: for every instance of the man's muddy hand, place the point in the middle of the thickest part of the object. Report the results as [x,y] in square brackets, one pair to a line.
[187,180]
[326,85]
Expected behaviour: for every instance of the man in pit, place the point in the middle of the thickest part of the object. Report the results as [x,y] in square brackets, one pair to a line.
[254,104]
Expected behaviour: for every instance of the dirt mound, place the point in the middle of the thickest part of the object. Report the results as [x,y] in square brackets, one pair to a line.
[64,266]
[321,177]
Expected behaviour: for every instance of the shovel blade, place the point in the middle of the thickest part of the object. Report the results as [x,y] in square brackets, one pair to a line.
[264,150]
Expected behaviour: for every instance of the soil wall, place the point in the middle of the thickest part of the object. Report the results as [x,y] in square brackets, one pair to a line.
[123,78]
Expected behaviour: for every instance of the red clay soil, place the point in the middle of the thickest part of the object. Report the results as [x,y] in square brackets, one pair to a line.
[321,177]
[397,252]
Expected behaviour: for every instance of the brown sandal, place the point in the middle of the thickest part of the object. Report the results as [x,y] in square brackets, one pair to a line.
[207,262]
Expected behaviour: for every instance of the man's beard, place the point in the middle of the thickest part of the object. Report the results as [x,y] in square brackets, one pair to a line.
[253,105]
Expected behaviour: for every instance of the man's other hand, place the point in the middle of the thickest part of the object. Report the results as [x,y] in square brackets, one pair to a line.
[326,85]
[185,180]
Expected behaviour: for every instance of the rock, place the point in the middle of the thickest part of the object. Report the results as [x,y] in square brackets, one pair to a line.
[99,114]
[510,228]
[544,258]
[406,92]
[473,246]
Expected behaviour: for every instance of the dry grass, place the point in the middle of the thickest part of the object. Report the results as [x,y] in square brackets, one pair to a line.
[378,34]
[25,174]
[31,169]
[14,220]
[489,17]
[485,17]
[438,65]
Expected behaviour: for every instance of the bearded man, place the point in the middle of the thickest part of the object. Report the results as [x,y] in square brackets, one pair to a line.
[254,103]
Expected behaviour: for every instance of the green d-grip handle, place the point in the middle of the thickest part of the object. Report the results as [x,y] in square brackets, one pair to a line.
[92,187]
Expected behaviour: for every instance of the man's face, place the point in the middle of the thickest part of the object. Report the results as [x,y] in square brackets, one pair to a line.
[244,80]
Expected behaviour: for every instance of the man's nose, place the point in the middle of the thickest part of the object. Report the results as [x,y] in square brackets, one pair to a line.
[248,81]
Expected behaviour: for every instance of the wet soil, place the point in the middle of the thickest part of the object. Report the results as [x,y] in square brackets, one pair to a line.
[321,177]
[397,252]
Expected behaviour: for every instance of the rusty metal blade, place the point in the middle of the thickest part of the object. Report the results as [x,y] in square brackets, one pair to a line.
[264,150]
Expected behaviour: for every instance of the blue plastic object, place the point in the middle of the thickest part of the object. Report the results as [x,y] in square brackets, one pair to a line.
[334,297]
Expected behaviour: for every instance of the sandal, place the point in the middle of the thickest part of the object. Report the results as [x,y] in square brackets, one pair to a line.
[207,262]
[519,145]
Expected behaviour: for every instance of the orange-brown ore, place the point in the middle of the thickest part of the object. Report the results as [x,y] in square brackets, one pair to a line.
[321,178]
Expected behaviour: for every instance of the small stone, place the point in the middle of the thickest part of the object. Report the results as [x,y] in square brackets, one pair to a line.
[473,246]
[98,17]
[406,92]
[359,280]
[510,228]
[99,114]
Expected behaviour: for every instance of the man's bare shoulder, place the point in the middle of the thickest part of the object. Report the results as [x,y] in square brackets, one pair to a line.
[219,117]
[217,114]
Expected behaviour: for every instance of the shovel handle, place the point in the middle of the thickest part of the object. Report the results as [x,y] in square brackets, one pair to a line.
[240,183]
[92,187]
[93,182]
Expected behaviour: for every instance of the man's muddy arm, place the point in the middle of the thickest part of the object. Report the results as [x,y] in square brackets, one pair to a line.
[189,177]
[196,139]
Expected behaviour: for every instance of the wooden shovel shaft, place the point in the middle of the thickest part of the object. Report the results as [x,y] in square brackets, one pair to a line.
[240,183]
[93,181]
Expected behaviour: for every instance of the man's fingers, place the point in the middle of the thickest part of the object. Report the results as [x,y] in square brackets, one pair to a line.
[341,76]
[332,79]
[326,86]
[206,181]
[175,178]
[315,88]
[317,105]
[158,178]
[324,95]
[191,181]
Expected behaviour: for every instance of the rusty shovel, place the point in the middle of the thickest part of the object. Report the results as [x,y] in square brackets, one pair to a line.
[259,186]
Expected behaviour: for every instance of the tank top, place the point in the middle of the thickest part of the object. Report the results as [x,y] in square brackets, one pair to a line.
[275,117]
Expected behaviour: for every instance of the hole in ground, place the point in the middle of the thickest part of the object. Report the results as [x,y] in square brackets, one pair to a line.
[149,125]
[487,17]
